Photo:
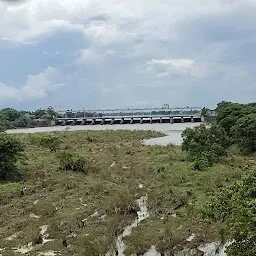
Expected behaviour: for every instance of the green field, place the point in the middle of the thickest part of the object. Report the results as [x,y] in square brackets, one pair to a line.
[86,212]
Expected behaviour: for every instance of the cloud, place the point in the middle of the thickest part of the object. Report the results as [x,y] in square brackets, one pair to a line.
[176,63]
[180,51]
[165,67]
[36,87]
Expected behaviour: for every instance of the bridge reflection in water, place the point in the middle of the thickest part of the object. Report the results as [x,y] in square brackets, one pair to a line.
[129,116]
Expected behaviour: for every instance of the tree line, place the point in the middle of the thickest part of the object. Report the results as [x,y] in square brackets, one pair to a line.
[233,127]
[11,118]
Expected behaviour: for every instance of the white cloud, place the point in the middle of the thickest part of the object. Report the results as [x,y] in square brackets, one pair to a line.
[36,87]
[176,63]
[102,21]
[176,41]
[165,67]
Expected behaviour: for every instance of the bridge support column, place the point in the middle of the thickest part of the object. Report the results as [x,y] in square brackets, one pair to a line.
[131,122]
[192,119]
[141,120]
[122,121]
[102,121]
[112,121]
[161,120]
[151,120]
[93,122]
[171,120]
[182,119]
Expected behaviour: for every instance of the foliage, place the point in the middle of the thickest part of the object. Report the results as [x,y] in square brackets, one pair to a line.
[11,118]
[205,144]
[244,132]
[229,113]
[10,152]
[235,205]
[71,162]
[49,141]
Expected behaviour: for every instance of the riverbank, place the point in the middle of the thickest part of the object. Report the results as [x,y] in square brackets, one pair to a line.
[172,131]
[86,213]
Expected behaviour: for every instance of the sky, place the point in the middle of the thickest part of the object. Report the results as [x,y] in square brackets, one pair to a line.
[94,54]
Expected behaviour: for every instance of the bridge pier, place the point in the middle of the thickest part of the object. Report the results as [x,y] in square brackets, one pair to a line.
[129,119]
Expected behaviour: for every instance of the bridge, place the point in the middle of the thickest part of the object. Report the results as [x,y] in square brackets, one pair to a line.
[129,116]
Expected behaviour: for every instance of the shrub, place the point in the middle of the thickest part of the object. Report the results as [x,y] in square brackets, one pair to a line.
[235,205]
[71,162]
[244,132]
[205,144]
[49,141]
[11,151]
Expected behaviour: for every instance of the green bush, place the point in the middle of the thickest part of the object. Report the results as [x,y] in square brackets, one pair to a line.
[49,141]
[235,205]
[71,162]
[205,144]
[244,132]
[11,151]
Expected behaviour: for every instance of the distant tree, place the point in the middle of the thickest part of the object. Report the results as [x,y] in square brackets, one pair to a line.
[11,151]
[235,205]
[51,112]
[244,132]
[223,104]
[10,114]
[39,113]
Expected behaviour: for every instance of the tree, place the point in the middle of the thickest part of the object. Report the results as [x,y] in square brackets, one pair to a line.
[206,144]
[11,114]
[11,151]
[244,132]
[39,113]
[235,205]
[229,113]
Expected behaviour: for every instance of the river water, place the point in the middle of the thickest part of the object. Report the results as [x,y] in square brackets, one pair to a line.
[173,131]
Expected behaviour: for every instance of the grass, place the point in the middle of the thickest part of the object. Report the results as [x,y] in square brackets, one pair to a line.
[87,212]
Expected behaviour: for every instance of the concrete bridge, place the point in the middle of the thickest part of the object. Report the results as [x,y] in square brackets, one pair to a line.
[129,116]
[127,120]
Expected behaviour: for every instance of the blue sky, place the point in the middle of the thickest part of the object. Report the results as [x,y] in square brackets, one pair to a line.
[126,53]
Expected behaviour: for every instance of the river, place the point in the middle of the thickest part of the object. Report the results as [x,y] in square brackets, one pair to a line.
[173,131]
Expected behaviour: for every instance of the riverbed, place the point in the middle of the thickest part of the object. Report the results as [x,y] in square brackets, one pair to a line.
[173,131]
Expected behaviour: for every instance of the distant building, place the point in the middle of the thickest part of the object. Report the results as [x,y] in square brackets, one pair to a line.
[166,106]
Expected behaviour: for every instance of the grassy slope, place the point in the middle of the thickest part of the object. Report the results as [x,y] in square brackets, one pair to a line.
[66,198]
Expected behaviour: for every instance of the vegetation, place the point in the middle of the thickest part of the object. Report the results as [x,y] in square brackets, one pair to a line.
[72,162]
[49,141]
[11,118]
[235,205]
[244,132]
[10,152]
[205,144]
[84,186]
[90,211]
